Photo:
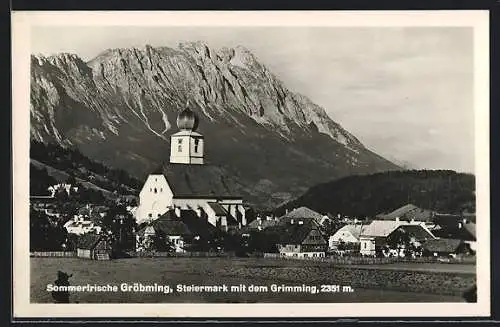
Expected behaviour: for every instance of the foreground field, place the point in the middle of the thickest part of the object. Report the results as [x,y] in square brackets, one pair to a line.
[398,284]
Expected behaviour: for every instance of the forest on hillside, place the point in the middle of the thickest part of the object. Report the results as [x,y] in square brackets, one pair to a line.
[73,163]
[444,191]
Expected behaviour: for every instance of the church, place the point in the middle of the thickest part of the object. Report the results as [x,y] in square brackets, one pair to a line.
[188,183]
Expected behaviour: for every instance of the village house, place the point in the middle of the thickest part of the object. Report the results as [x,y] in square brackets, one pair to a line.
[446,247]
[93,246]
[79,225]
[186,182]
[178,227]
[348,234]
[260,224]
[301,239]
[456,228]
[408,213]
[175,232]
[302,213]
[379,234]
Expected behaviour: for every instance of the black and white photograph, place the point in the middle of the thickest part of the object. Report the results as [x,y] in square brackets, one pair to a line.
[251,164]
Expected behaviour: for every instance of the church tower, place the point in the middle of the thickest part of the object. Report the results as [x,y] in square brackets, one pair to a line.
[186,146]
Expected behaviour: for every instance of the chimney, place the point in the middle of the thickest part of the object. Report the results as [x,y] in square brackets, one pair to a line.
[286,211]
[355,221]
[177,211]
[291,221]
[460,225]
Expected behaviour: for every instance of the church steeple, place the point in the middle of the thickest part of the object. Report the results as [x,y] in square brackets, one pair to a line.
[186,146]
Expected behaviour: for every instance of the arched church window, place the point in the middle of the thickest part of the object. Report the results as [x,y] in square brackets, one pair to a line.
[156,191]
[196,142]
[179,148]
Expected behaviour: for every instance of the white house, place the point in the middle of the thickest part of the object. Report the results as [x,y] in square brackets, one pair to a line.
[376,235]
[186,182]
[79,226]
[347,234]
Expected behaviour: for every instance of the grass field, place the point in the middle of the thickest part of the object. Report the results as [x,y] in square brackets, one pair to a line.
[235,271]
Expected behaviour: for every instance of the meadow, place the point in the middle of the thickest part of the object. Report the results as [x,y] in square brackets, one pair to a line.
[390,283]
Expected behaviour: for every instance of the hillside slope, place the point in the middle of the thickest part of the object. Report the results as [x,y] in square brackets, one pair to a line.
[366,196]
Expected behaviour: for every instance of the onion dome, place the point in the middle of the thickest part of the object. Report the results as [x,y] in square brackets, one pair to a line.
[187,120]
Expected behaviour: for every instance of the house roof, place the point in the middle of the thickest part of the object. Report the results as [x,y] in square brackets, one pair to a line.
[171,227]
[381,228]
[466,233]
[217,208]
[295,233]
[442,245]
[264,223]
[302,213]
[471,229]
[199,181]
[451,219]
[355,230]
[418,232]
[408,211]
[89,241]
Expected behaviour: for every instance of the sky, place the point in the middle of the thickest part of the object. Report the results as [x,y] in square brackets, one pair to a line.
[405,92]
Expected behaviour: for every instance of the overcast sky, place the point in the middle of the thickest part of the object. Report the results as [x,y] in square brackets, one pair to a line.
[406,93]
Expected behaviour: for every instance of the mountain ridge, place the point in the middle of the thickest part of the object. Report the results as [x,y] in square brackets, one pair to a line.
[120,108]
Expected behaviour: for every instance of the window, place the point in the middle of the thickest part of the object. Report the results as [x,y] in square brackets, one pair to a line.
[179,148]
[161,189]
[179,141]
[150,215]
[196,142]
[156,191]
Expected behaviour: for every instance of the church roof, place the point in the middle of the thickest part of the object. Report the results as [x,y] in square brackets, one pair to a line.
[199,181]
[217,208]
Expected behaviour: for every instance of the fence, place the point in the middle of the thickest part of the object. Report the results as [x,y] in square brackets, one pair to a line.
[62,254]
[180,254]
[374,261]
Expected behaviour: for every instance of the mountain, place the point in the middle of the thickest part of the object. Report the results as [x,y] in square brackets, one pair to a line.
[120,109]
[445,191]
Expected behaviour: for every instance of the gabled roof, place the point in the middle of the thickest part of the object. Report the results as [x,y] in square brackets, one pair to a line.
[171,227]
[302,213]
[89,241]
[467,232]
[295,233]
[218,209]
[381,228]
[442,245]
[263,223]
[355,230]
[194,181]
[471,229]
[408,212]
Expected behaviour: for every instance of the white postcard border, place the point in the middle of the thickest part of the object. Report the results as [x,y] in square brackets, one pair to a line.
[22,22]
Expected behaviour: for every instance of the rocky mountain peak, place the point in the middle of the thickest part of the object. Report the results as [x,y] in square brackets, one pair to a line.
[125,98]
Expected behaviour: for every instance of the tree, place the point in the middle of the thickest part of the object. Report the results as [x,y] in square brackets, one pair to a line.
[45,235]
[161,242]
[119,224]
